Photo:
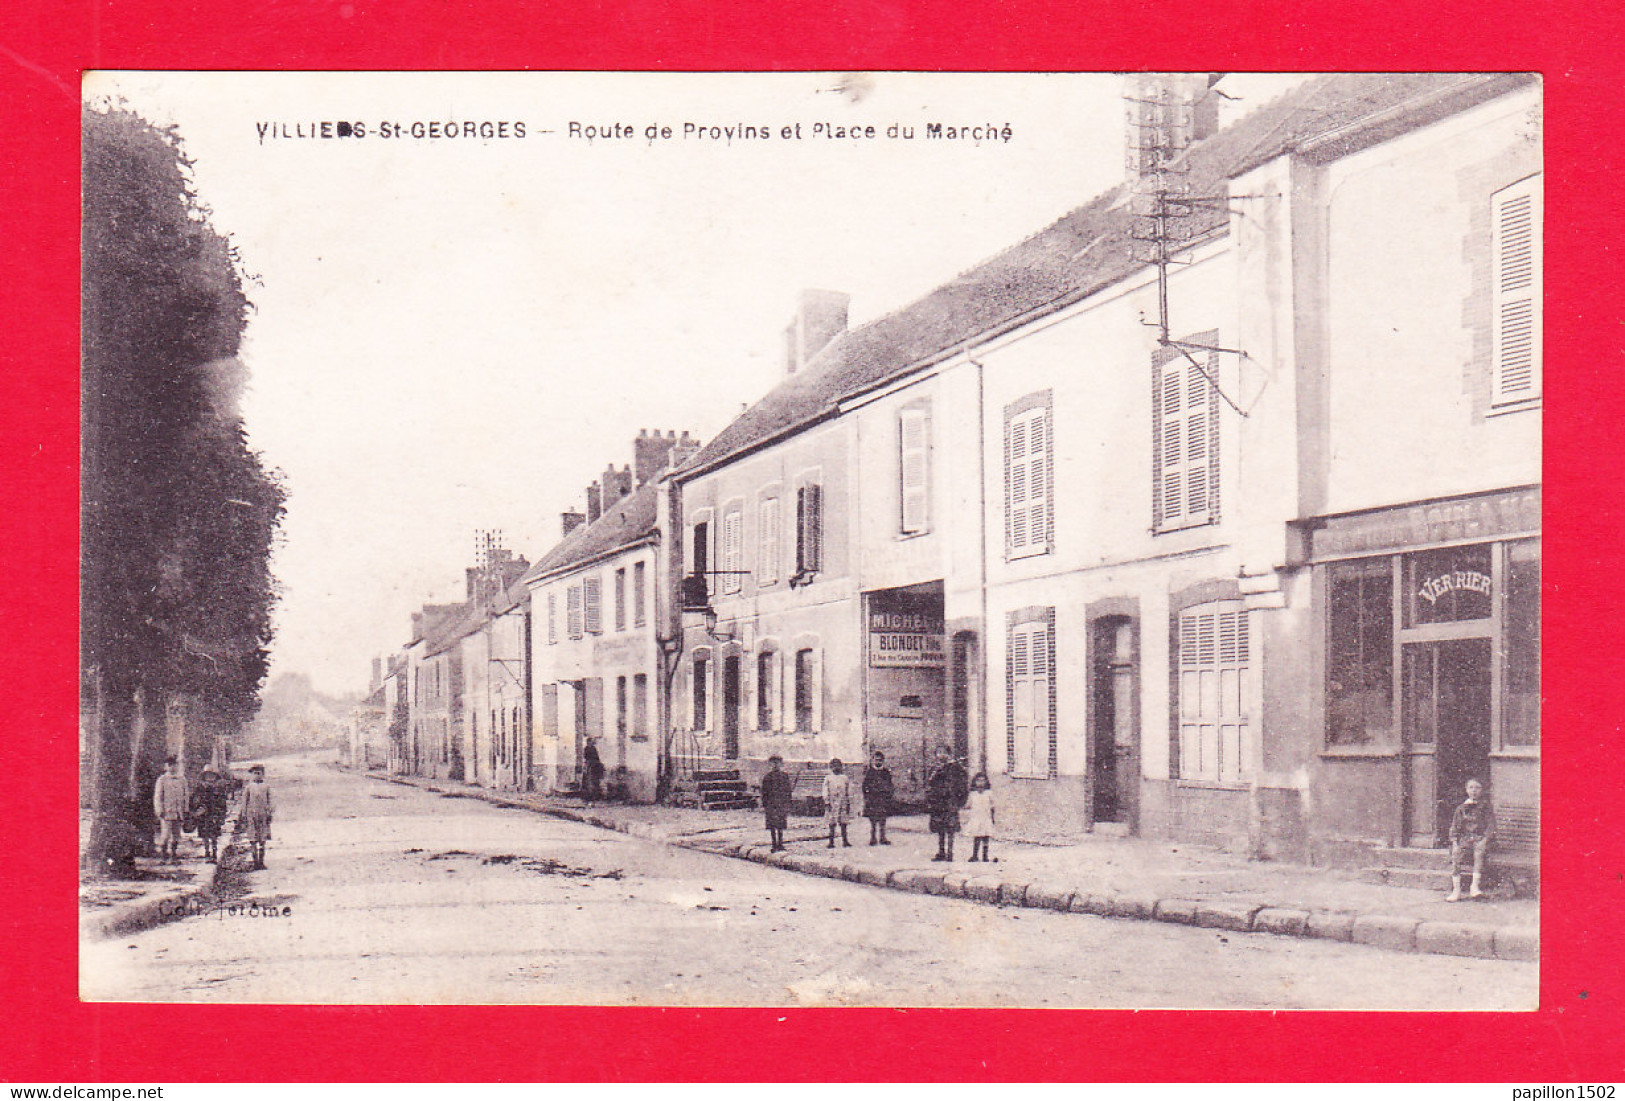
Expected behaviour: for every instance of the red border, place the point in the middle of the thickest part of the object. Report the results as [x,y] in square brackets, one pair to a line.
[50,1037]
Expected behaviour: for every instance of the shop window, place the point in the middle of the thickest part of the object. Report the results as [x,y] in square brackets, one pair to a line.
[1515,285]
[805,691]
[1520,718]
[1447,586]
[1360,653]
[1184,438]
[1214,688]
[1029,454]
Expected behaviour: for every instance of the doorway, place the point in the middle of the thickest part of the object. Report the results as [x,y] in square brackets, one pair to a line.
[732,701]
[1446,714]
[1115,754]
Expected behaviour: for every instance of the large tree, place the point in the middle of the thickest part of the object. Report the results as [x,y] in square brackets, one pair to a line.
[178,513]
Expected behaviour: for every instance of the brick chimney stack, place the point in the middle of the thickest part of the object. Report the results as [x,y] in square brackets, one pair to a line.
[656,452]
[1167,113]
[595,503]
[684,449]
[616,483]
[820,318]
[569,521]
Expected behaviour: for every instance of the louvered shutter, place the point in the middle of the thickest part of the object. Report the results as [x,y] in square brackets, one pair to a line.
[1184,442]
[767,565]
[914,443]
[572,611]
[1213,692]
[1515,282]
[733,534]
[809,529]
[593,605]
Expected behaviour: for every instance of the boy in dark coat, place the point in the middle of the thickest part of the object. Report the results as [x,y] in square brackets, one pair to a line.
[945,794]
[209,811]
[1472,828]
[878,792]
[778,791]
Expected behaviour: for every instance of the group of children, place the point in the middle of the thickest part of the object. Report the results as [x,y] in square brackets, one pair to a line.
[947,792]
[1472,827]
[204,809]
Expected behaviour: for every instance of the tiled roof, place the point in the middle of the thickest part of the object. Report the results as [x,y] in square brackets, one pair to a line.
[629,520]
[1092,247]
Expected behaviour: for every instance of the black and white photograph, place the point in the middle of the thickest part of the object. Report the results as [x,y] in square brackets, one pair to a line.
[1052,540]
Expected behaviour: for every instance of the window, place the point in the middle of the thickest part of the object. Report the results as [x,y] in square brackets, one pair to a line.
[639,584]
[1360,653]
[702,552]
[1448,585]
[733,548]
[620,600]
[1520,719]
[809,530]
[621,711]
[701,693]
[1184,438]
[914,469]
[572,611]
[1214,737]
[640,707]
[1030,693]
[767,690]
[1515,291]
[767,562]
[1028,476]
[592,603]
[552,617]
[805,689]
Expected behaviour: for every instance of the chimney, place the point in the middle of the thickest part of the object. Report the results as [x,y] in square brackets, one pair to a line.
[595,503]
[569,521]
[1167,113]
[820,318]
[617,484]
[684,449]
[377,675]
[472,583]
[417,625]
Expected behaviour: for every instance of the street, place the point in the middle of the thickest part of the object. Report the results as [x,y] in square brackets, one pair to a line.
[379,893]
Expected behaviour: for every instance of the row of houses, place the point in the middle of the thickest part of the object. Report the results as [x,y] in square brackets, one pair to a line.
[1210,511]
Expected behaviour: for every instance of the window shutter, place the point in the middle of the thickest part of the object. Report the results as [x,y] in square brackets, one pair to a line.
[572,609]
[1515,284]
[732,545]
[592,602]
[914,442]
[767,566]
[1184,439]
[809,529]
[1028,477]
[1009,484]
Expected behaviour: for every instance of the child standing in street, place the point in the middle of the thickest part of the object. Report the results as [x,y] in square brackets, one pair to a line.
[979,818]
[1472,828]
[837,801]
[878,790]
[169,805]
[257,810]
[778,792]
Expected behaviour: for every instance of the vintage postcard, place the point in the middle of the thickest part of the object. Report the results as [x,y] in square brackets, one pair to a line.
[801,539]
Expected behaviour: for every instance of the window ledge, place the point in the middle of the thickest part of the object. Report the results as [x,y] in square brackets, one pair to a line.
[1517,753]
[1214,785]
[1524,406]
[1357,752]
[1035,552]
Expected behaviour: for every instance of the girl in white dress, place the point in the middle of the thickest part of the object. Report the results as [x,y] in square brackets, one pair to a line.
[979,818]
[837,801]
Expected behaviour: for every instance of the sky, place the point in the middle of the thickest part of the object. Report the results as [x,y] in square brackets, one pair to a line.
[456,334]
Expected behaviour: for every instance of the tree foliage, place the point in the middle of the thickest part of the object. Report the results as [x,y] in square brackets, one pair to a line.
[178,513]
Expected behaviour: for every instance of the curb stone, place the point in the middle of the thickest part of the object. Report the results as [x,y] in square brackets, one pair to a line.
[1282,922]
[1452,938]
[1179,911]
[1233,917]
[1382,931]
[1390,932]
[1327,925]
[1517,943]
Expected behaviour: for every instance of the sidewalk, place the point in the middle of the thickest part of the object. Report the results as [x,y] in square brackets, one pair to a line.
[1107,876]
[163,891]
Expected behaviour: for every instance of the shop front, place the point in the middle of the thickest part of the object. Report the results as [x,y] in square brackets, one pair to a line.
[1431,620]
[907,688]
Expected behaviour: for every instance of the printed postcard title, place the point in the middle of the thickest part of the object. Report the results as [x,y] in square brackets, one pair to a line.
[620,133]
